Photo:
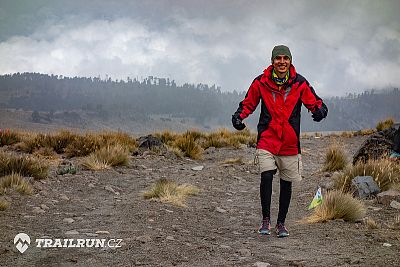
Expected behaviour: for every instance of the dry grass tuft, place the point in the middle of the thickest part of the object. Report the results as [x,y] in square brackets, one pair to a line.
[169,191]
[93,163]
[386,174]
[347,134]
[304,136]
[337,205]
[386,124]
[58,142]
[46,152]
[23,165]
[17,182]
[371,223]
[194,134]
[192,143]
[175,150]
[4,204]
[106,157]
[119,138]
[61,140]
[335,159]
[225,138]
[395,186]
[189,147]
[167,137]
[74,145]
[83,145]
[215,140]
[365,132]
[9,137]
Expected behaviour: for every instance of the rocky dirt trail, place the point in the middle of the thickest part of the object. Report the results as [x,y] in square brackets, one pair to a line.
[217,228]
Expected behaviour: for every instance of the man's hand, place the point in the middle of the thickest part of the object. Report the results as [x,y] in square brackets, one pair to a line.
[237,122]
[320,113]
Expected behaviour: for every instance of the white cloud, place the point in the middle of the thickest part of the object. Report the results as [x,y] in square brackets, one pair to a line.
[337,47]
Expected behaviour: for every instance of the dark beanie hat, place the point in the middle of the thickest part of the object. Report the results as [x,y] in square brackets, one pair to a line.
[281,50]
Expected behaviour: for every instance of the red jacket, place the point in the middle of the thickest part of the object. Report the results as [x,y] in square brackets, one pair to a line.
[279,124]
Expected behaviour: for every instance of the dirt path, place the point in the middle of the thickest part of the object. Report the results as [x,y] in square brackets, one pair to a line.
[218,228]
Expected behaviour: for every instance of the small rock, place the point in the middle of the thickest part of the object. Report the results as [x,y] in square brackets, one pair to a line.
[394,204]
[29,216]
[225,247]
[103,232]
[169,211]
[170,238]
[261,264]
[244,252]
[91,234]
[64,197]
[374,208]
[198,168]
[38,210]
[72,232]
[220,210]
[144,238]
[386,244]
[91,185]
[110,189]
[68,220]
[44,207]
[387,196]
[210,150]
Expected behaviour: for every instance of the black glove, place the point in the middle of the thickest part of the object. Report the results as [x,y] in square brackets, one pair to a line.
[237,122]
[320,113]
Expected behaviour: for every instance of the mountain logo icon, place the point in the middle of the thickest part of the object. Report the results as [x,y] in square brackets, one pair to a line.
[22,242]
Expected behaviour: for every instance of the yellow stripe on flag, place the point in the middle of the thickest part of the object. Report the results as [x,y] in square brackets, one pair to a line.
[317,200]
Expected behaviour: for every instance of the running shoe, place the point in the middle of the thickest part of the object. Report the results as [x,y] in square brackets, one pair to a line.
[265,228]
[281,230]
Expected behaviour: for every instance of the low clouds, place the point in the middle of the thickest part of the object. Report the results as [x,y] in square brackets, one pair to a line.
[338,48]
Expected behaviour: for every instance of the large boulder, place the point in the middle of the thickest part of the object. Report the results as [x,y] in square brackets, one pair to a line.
[377,146]
[149,142]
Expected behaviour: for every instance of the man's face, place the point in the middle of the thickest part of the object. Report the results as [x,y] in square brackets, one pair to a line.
[281,63]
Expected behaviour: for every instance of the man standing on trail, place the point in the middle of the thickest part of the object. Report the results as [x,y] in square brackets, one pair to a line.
[282,91]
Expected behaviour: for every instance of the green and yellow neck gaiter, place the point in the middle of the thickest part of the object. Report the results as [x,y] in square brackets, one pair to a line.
[280,81]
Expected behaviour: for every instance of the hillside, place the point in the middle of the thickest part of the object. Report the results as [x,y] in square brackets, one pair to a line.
[132,103]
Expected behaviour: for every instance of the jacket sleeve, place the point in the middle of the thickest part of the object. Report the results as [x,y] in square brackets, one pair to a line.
[310,99]
[251,100]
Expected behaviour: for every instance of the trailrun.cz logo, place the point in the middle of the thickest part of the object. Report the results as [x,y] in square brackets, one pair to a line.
[22,242]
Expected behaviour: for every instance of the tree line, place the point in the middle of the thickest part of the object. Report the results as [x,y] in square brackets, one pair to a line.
[207,105]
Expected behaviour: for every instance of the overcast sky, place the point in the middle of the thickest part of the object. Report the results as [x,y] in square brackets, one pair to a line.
[339,46]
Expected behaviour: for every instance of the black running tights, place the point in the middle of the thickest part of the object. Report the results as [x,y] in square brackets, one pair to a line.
[266,193]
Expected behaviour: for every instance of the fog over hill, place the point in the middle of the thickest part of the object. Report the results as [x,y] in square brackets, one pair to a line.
[141,100]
